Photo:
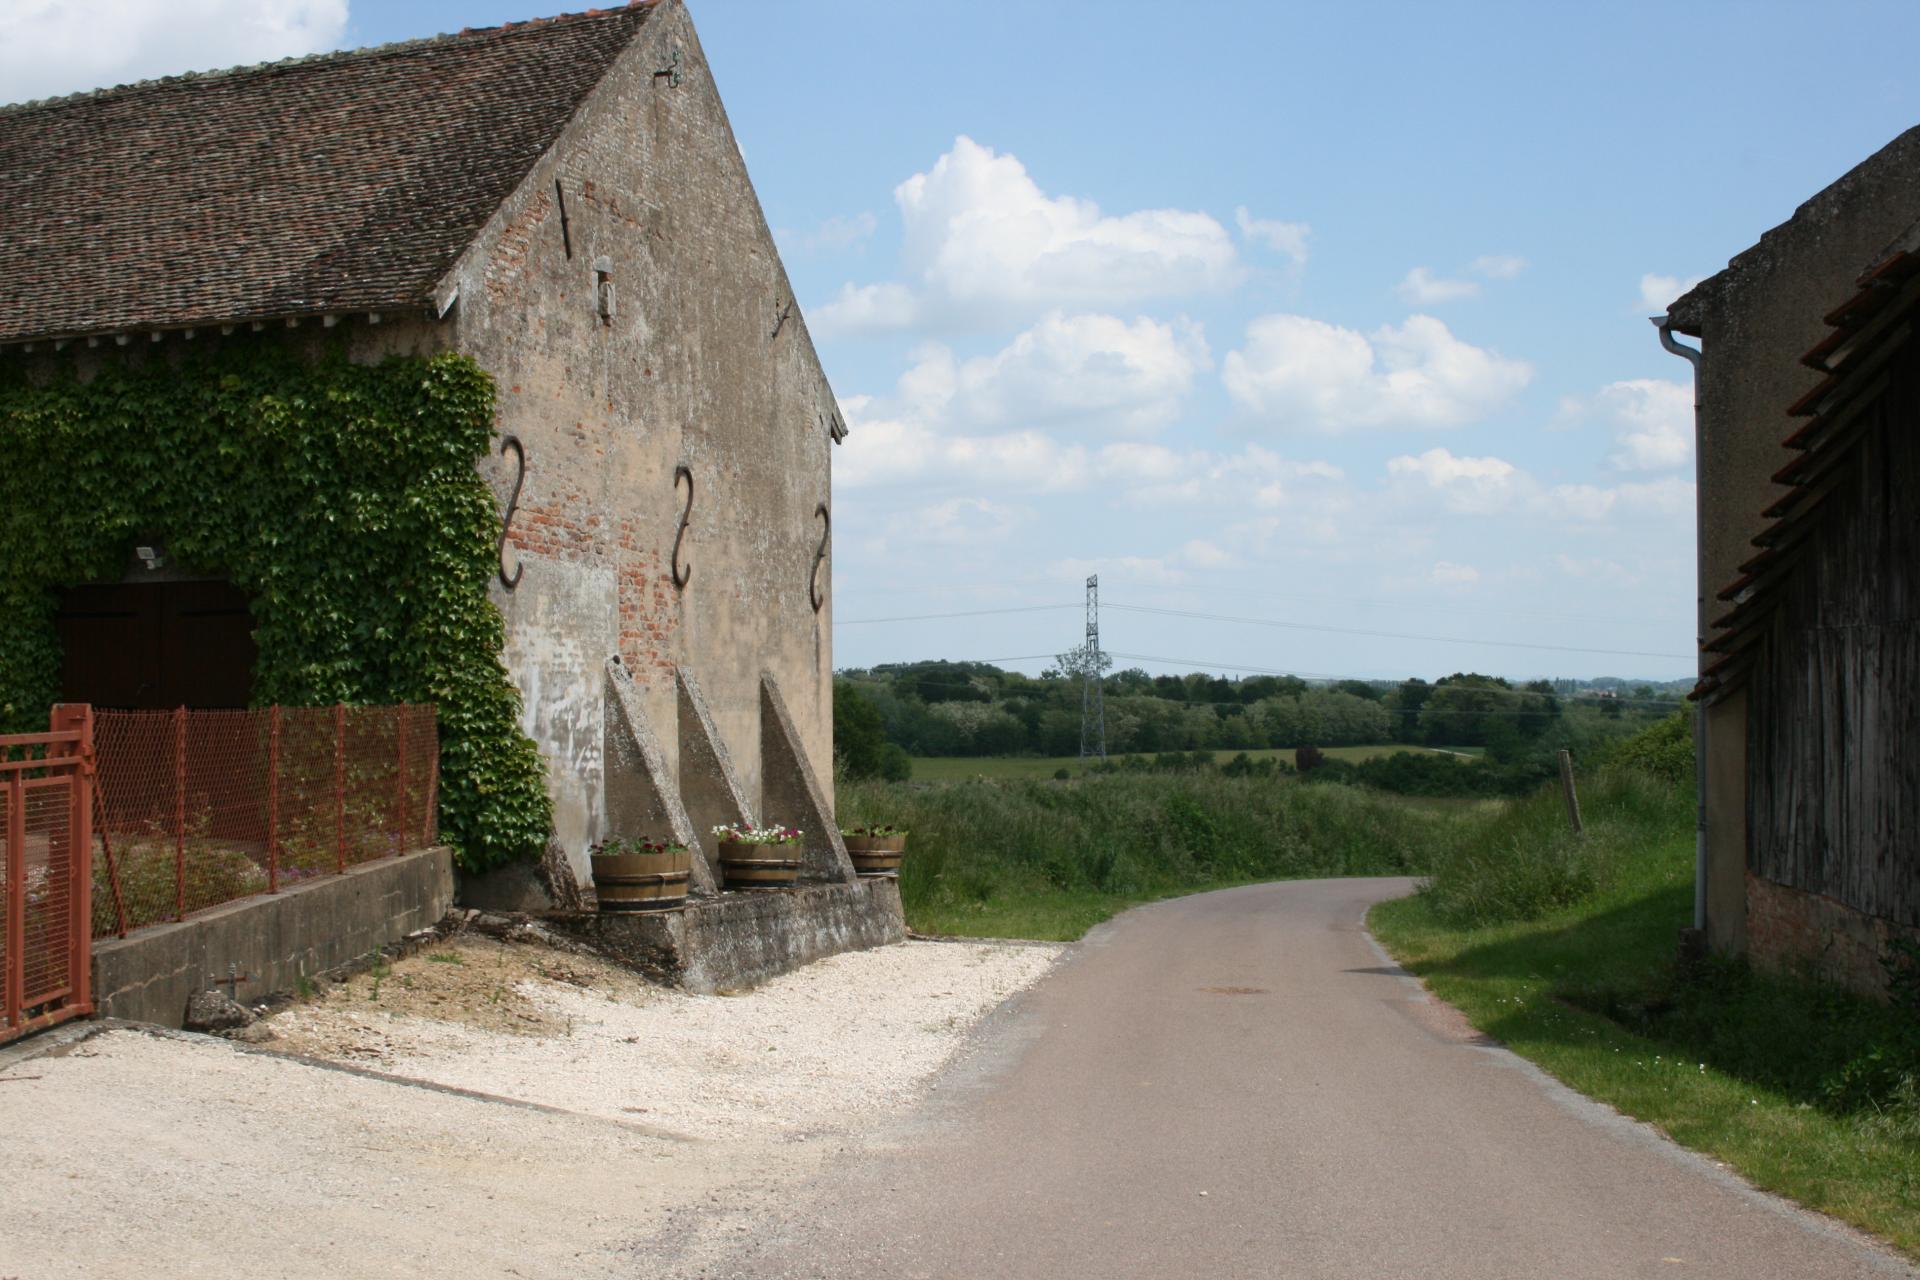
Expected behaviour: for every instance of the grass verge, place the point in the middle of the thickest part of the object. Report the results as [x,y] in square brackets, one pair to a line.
[1797,1087]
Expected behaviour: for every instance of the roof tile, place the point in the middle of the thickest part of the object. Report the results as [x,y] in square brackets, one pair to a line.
[342,182]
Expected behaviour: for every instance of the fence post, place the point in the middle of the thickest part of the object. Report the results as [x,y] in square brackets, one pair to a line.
[431,811]
[78,717]
[340,786]
[400,783]
[273,798]
[1566,785]
[180,813]
[16,851]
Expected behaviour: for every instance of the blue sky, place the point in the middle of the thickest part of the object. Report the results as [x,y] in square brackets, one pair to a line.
[1328,317]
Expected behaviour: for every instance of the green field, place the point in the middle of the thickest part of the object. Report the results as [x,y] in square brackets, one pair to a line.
[960,768]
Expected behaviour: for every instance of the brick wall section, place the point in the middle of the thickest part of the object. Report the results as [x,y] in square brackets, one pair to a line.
[1791,931]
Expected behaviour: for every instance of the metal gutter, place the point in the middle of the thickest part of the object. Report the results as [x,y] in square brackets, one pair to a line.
[1692,356]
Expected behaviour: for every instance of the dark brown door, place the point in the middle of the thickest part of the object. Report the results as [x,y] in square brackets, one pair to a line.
[157,645]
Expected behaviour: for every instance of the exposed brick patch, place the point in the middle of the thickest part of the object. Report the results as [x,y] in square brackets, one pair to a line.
[1790,930]
[649,608]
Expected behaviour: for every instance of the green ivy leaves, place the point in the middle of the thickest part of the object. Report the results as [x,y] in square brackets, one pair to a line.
[341,496]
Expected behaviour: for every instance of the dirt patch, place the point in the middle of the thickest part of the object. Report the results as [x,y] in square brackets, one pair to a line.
[467,981]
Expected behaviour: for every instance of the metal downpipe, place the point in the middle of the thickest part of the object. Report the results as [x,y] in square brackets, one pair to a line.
[1692,356]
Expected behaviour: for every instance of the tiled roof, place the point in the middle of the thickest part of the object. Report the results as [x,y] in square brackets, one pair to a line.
[1870,329]
[342,182]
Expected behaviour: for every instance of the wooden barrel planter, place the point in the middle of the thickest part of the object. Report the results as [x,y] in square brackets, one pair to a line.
[876,855]
[758,866]
[630,881]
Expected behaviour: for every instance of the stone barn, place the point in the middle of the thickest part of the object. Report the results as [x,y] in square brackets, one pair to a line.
[1810,575]
[562,203]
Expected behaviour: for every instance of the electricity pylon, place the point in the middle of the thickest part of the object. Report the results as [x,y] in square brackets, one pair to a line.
[1093,709]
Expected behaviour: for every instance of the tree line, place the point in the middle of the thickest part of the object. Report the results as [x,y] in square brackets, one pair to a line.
[939,708]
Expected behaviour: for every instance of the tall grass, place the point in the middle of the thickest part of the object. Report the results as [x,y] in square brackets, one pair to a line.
[1520,860]
[1026,858]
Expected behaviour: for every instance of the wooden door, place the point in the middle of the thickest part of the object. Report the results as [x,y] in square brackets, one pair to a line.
[157,645]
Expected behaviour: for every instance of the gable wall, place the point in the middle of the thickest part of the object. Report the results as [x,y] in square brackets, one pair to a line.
[1754,322]
[688,371]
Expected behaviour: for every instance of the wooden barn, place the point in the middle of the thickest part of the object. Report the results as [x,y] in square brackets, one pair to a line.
[1813,672]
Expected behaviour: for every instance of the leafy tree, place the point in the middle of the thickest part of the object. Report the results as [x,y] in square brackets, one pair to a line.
[1406,702]
[859,737]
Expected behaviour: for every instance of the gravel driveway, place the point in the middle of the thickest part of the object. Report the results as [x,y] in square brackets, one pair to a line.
[623,1113]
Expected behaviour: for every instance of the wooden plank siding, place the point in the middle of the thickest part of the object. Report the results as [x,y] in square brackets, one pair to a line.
[1833,732]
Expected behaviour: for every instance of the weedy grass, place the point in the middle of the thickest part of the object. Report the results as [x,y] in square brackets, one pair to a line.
[1040,859]
[1566,951]
[146,869]
[965,768]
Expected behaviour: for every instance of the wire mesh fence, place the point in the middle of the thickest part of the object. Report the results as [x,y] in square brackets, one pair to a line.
[44,834]
[198,808]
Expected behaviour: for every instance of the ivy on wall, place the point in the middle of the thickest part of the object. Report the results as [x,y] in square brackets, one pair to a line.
[342,497]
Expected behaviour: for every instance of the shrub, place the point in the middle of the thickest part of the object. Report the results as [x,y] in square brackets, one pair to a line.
[895,764]
[1663,751]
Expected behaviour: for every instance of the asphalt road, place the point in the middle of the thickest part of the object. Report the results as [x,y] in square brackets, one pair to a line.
[1241,1084]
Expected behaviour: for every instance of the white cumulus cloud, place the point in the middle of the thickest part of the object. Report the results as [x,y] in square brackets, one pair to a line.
[1591,503]
[1463,486]
[955,522]
[984,244]
[1421,288]
[1299,372]
[50,47]
[1289,238]
[1657,292]
[894,450]
[1122,376]
[1448,574]
[1654,422]
[1498,266]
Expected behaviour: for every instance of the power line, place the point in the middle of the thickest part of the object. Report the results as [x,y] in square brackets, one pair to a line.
[1387,635]
[965,613]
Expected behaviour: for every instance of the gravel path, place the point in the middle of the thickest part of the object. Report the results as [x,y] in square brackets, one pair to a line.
[808,1052]
[131,1155]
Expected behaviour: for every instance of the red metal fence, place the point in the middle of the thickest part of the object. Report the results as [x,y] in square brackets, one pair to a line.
[197,808]
[46,807]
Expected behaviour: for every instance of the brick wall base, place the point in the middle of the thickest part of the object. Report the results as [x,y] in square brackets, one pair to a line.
[1792,931]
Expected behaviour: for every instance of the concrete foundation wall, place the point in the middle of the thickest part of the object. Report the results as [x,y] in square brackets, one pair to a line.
[274,939]
[743,939]
[1791,931]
